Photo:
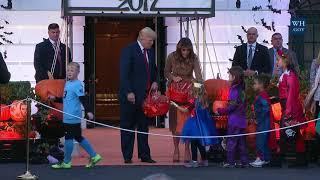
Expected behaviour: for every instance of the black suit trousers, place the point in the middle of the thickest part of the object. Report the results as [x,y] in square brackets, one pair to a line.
[132,117]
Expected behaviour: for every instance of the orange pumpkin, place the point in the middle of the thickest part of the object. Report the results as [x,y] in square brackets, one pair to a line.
[53,87]
[276,111]
[251,139]
[4,112]
[18,111]
[217,89]
[219,104]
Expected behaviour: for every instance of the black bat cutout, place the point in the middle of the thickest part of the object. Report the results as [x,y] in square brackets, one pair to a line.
[274,10]
[8,33]
[240,38]
[273,27]
[8,6]
[238,4]
[244,29]
[256,8]
[264,24]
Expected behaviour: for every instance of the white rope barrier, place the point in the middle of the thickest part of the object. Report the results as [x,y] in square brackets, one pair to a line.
[168,135]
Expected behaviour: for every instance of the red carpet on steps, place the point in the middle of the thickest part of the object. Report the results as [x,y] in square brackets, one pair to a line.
[107,143]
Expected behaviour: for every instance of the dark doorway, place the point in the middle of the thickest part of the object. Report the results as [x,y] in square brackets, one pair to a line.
[104,39]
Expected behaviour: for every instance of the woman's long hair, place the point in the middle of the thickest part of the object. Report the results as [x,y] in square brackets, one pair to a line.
[201,94]
[238,74]
[185,43]
[288,61]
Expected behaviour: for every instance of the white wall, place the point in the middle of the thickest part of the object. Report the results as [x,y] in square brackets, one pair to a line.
[225,27]
[29,20]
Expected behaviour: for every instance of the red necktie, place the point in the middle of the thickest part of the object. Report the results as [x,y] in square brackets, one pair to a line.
[147,67]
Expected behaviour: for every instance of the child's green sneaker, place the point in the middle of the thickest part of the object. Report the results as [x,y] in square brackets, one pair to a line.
[62,165]
[93,161]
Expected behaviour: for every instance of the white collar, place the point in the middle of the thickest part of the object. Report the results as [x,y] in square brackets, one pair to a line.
[52,41]
[287,72]
[253,44]
[140,45]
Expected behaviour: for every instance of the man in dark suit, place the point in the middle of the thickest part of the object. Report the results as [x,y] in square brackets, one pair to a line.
[137,77]
[4,73]
[252,56]
[50,56]
[277,42]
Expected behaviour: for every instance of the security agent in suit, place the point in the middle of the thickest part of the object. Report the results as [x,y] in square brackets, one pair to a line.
[44,56]
[252,56]
[137,77]
[4,73]
[277,42]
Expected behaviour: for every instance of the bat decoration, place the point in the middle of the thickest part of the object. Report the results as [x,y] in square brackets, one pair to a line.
[256,8]
[244,29]
[240,38]
[8,33]
[274,10]
[1,27]
[265,41]
[9,5]
[273,27]
[7,41]
[238,4]
[264,24]
[230,58]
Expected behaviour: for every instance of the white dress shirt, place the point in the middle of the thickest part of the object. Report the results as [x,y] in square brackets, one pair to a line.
[142,49]
[253,49]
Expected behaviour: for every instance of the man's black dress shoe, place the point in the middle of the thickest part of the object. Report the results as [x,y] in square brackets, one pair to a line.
[148,160]
[128,161]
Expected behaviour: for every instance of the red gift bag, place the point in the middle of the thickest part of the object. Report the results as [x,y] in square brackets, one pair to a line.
[156,105]
[179,91]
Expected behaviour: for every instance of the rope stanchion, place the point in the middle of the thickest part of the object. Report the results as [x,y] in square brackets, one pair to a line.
[27,175]
[167,135]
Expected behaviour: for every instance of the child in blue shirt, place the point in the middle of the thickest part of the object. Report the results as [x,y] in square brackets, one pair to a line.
[74,96]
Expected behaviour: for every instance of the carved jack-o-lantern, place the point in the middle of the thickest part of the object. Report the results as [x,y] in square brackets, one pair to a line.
[18,111]
[4,112]
[219,104]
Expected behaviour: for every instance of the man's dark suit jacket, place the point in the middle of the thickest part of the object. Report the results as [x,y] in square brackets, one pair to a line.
[133,72]
[260,61]
[4,73]
[286,51]
[43,59]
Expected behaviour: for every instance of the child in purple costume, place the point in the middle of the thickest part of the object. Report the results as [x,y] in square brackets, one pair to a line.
[237,123]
